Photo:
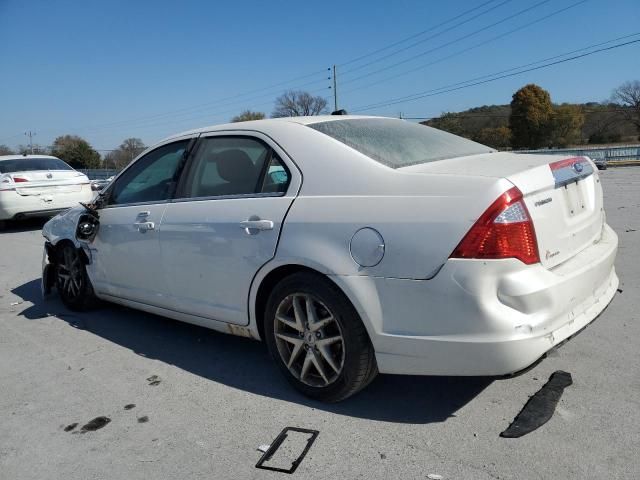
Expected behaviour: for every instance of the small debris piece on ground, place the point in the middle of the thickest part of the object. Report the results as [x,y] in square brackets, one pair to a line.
[129,406]
[144,419]
[95,424]
[70,427]
[434,476]
[263,448]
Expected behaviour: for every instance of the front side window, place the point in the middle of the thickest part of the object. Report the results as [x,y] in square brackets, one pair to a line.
[150,178]
[398,143]
[231,166]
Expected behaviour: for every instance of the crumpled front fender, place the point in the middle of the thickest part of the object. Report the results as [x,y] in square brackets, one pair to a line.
[63,226]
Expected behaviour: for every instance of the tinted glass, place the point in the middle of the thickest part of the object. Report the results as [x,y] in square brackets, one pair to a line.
[276,178]
[32,164]
[226,166]
[398,143]
[151,177]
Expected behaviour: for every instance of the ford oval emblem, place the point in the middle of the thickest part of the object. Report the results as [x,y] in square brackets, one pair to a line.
[578,167]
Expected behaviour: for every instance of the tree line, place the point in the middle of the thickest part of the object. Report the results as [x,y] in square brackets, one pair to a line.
[78,153]
[530,121]
[533,121]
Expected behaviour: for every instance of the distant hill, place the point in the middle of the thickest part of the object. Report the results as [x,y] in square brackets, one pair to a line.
[604,123]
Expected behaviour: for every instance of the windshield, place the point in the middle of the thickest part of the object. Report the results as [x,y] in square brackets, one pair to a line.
[398,143]
[32,164]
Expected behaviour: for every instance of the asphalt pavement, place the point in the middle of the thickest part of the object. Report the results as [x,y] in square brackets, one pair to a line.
[183,402]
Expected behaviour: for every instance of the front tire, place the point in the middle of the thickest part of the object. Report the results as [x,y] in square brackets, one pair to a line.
[72,281]
[317,338]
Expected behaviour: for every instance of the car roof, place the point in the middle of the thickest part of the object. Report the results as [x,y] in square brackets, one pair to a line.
[258,125]
[24,157]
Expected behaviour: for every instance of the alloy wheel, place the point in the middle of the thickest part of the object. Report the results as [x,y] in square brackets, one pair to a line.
[70,278]
[309,339]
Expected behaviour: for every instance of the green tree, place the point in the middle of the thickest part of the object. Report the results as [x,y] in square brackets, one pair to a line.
[531,117]
[566,125]
[496,137]
[449,122]
[35,150]
[248,115]
[129,149]
[628,95]
[75,151]
[298,103]
[4,150]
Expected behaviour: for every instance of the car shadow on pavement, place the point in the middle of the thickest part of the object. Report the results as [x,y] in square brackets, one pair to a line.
[27,225]
[245,364]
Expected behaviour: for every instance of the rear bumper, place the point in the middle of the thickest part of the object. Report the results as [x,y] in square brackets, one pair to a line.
[13,205]
[486,317]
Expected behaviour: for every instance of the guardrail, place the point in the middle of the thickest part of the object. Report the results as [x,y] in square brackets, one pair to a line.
[612,155]
[99,173]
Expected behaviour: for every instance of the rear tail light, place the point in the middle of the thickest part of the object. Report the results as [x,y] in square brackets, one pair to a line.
[504,230]
[19,179]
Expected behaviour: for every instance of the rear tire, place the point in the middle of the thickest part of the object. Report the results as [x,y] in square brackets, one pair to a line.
[72,281]
[317,338]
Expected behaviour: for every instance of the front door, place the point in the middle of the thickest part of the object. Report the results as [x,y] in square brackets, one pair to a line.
[126,251]
[224,225]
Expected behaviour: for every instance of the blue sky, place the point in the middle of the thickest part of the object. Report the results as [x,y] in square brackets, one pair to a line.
[108,70]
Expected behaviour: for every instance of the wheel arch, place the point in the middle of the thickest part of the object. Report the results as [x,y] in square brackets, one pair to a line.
[267,282]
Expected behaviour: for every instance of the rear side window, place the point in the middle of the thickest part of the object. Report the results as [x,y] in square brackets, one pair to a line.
[32,164]
[398,143]
[234,166]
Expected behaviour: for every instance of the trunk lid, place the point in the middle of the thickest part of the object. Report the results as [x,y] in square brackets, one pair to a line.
[563,195]
[48,182]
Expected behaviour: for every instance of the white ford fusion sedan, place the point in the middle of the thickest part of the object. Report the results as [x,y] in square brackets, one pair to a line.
[39,186]
[351,245]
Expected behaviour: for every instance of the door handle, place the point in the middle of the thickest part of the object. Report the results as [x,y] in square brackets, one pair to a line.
[251,227]
[144,227]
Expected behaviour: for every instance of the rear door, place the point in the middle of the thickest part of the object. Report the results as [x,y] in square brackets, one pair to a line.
[126,251]
[225,224]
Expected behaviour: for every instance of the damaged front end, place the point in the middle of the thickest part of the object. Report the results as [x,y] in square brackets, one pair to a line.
[78,225]
[88,224]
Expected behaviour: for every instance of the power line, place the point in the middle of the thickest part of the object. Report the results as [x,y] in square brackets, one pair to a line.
[200,108]
[451,42]
[431,37]
[446,89]
[473,47]
[413,36]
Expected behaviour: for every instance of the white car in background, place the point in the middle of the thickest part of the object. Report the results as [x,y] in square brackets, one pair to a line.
[39,186]
[351,245]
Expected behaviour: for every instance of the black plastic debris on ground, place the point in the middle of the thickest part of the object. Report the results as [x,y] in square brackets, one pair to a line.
[282,450]
[154,380]
[95,424]
[129,406]
[540,407]
[70,427]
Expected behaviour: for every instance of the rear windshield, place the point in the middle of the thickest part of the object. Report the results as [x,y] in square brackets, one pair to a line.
[31,164]
[398,143]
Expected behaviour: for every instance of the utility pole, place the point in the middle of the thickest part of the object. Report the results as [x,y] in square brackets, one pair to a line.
[335,90]
[30,134]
